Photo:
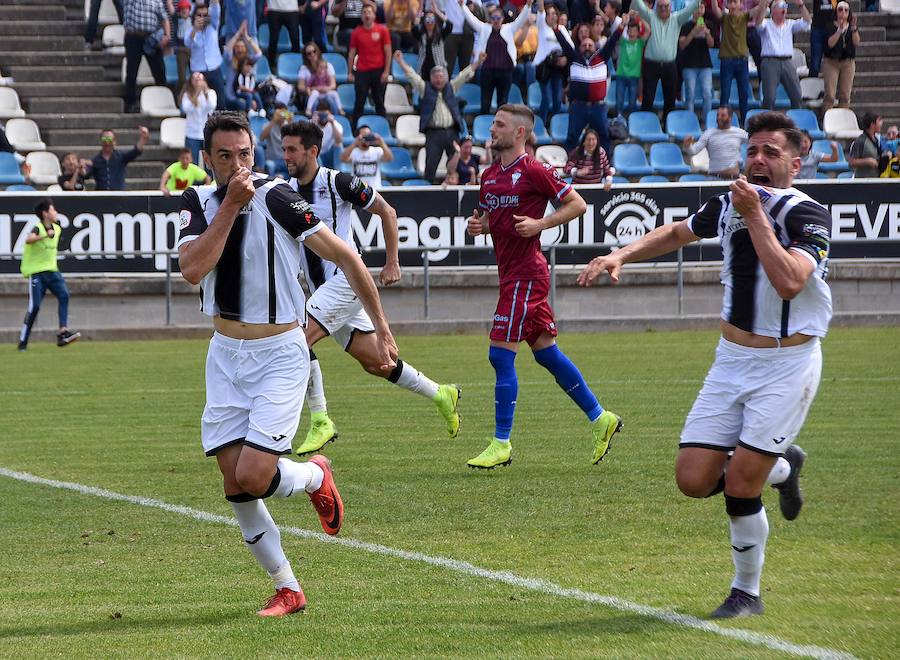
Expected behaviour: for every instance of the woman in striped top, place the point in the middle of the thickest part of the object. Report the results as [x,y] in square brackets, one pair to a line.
[588,162]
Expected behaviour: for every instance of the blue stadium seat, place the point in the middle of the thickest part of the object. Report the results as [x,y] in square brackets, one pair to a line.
[653,178]
[782,100]
[20,187]
[659,101]
[380,126]
[534,96]
[9,169]
[481,128]
[288,66]
[540,132]
[806,120]
[822,175]
[711,119]
[416,182]
[284,41]
[171,69]
[841,175]
[689,178]
[347,94]
[681,123]
[732,98]
[620,179]
[825,147]
[630,160]
[471,94]
[644,127]
[611,94]
[559,127]
[398,75]
[348,131]
[339,62]
[256,125]
[401,167]
[263,70]
[666,159]
[750,115]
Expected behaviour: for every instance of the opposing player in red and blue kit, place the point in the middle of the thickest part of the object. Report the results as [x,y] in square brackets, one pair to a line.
[512,209]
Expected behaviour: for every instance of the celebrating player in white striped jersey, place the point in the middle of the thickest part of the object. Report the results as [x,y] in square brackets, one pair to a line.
[739,434]
[241,243]
[332,307]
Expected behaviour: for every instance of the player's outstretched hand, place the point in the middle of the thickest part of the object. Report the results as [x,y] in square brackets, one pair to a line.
[475,225]
[240,188]
[526,226]
[745,198]
[390,274]
[598,265]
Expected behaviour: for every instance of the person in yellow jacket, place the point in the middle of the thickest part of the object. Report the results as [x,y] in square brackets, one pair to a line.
[39,266]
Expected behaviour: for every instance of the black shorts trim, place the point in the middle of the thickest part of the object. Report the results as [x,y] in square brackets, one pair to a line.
[757,450]
[319,323]
[353,332]
[253,445]
[701,445]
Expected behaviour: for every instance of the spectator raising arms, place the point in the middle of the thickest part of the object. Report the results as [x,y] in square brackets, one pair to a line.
[777,35]
[498,42]
[198,102]
[206,57]
[588,162]
[465,164]
[809,160]
[696,64]
[182,174]
[429,30]
[108,167]
[74,171]
[369,62]
[631,54]
[733,53]
[839,65]
[549,62]
[239,50]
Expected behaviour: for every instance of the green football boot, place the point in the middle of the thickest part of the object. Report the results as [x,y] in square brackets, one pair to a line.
[602,430]
[320,434]
[447,402]
[497,453]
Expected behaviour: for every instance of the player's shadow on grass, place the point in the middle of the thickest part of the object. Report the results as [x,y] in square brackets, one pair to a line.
[108,623]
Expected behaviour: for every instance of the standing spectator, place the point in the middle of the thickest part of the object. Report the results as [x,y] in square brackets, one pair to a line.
[498,41]
[549,62]
[183,24]
[631,54]
[198,102]
[823,15]
[464,164]
[141,19]
[866,153]
[240,15]
[460,43]
[271,135]
[777,34]
[809,160]
[74,171]
[312,22]
[108,167]
[839,66]
[696,64]
[90,29]
[733,54]
[588,162]
[722,143]
[526,42]
[369,62]
[283,13]
[399,15]
[440,118]
[588,85]
[349,13]
[597,30]
[240,49]
[182,174]
[365,155]
[40,266]
[660,51]
[206,56]
[429,30]
[332,132]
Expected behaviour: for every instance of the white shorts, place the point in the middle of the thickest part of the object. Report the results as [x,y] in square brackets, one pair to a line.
[754,397]
[338,310]
[254,391]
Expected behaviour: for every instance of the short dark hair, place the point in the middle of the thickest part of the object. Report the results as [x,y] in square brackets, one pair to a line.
[184,150]
[225,120]
[521,111]
[42,207]
[779,123]
[868,119]
[362,126]
[309,133]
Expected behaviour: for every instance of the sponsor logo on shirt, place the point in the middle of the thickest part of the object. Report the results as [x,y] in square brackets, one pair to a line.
[495,202]
[816,230]
[184,219]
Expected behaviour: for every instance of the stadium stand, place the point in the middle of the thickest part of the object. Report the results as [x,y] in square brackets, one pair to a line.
[682,123]
[401,167]
[24,135]
[630,160]
[9,169]
[113,39]
[644,127]
[9,104]
[841,124]
[408,134]
[44,167]
[840,165]
[806,120]
[666,158]
[158,101]
[171,132]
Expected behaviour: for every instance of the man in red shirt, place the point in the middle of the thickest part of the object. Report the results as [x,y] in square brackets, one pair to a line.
[369,62]
[515,191]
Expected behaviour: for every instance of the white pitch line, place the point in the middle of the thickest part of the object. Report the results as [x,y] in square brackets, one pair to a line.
[506,577]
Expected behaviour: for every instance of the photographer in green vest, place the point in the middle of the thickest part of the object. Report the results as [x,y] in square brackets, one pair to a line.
[39,266]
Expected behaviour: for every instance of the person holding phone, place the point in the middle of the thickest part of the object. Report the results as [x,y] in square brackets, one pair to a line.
[366,154]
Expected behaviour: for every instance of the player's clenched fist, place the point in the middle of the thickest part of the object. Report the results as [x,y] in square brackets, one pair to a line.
[240,187]
[477,223]
[528,227]
[745,198]
[598,265]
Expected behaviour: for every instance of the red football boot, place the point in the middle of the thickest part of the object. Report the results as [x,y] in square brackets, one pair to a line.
[285,601]
[327,500]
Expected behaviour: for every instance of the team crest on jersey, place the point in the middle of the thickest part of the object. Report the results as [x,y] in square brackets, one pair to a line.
[515,177]
[184,219]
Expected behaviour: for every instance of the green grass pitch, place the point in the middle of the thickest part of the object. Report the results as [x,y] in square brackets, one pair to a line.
[84,576]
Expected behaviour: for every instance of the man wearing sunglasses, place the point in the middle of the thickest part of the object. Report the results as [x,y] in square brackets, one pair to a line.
[108,166]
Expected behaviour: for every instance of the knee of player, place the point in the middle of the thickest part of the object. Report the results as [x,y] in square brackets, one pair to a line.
[252,482]
[693,483]
[737,486]
[374,367]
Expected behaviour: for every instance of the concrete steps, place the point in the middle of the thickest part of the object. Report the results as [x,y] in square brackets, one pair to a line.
[89,120]
[35,56]
[82,74]
[83,104]
[41,28]
[70,90]
[34,12]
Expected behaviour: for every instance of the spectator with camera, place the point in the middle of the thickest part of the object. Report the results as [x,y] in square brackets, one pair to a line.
[369,63]
[366,154]
[696,64]
[206,56]
[839,63]
[271,135]
[74,172]
[109,166]
[332,132]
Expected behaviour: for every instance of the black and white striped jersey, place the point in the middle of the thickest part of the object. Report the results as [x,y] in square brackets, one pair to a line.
[750,301]
[332,195]
[255,280]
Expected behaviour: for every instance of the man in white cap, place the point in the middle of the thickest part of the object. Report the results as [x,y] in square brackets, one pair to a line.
[777,34]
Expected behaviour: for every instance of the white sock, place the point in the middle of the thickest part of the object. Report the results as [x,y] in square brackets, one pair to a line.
[501,439]
[315,391]
[748,550]
[263,540]
[415,381]
[297,477]
[780,472]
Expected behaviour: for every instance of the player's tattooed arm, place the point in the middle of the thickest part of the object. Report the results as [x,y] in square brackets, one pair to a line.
[478,223]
